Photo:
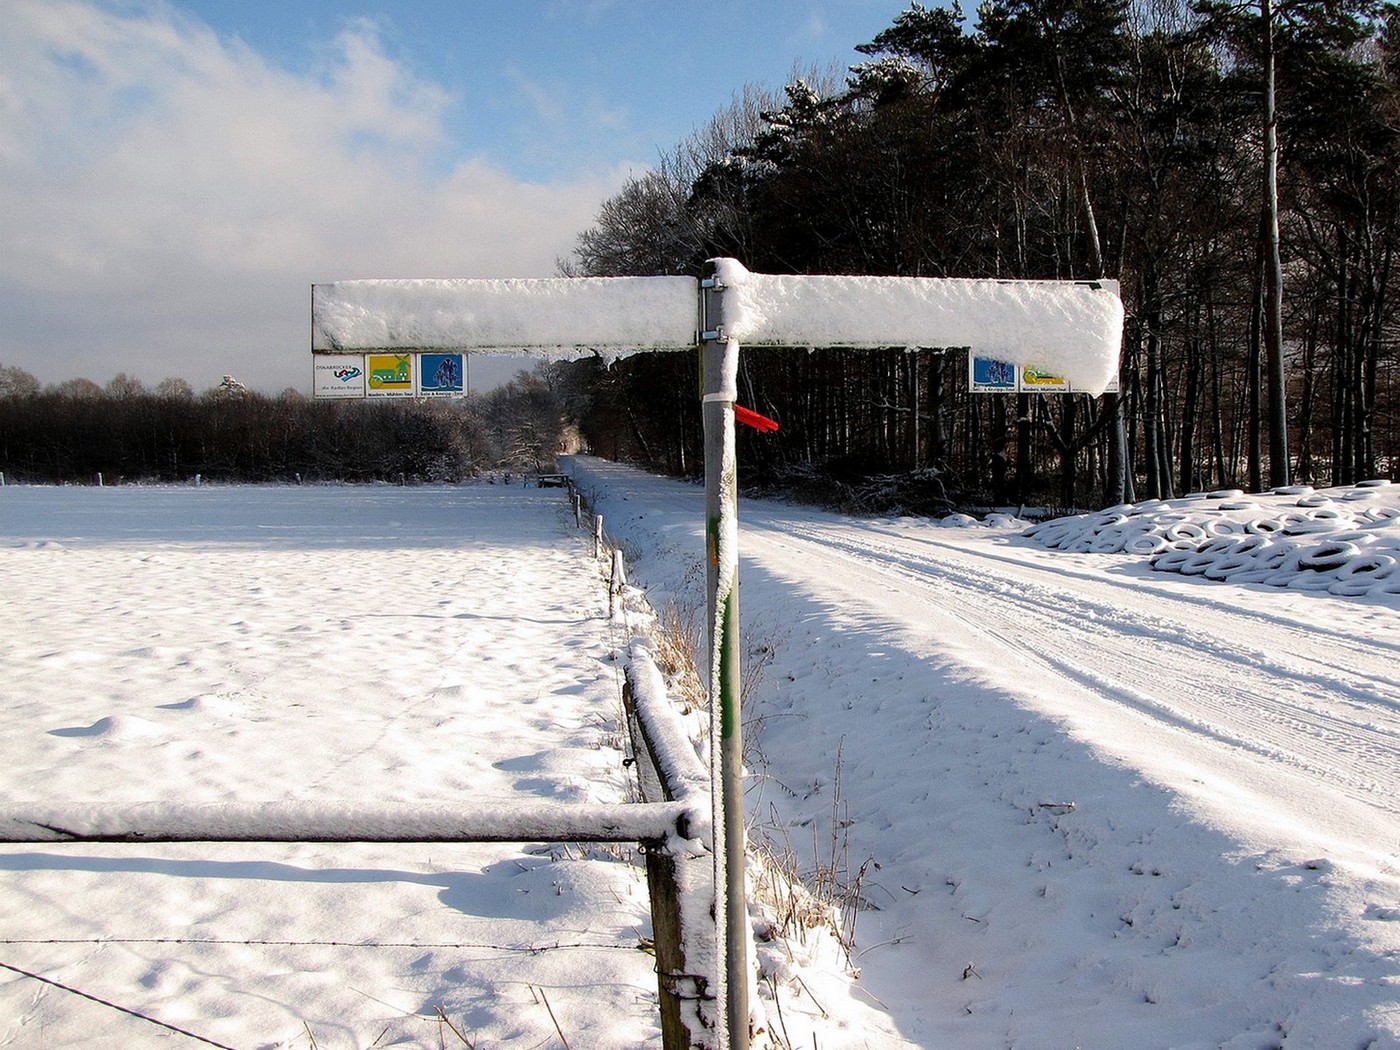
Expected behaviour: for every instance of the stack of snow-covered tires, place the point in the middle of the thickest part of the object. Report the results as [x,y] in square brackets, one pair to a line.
[1345,541]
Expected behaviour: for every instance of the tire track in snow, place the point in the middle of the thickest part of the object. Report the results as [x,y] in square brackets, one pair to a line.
[1181,605]
[1227,702]
[1273,690]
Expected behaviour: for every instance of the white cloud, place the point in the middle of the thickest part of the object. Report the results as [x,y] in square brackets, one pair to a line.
[548,105]
[169,196]
[814,29]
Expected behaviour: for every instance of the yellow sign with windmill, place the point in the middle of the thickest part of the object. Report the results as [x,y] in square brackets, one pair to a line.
[390,375]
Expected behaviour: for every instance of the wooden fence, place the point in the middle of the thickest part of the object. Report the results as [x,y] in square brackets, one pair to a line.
[673,825]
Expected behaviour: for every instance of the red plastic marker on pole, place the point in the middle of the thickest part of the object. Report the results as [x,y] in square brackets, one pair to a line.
[750,418]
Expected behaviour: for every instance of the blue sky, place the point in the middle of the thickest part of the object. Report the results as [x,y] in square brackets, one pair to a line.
[546,88]
[174,176]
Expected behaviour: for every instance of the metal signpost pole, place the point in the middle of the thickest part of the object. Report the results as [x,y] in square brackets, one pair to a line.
[1038,324]
[720,366]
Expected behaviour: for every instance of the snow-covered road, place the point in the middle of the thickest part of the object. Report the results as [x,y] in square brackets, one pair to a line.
[1095,805]
[1294,697]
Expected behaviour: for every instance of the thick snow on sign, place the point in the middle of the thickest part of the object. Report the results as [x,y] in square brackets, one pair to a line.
[1068,329]
[1064,328]
[558,317]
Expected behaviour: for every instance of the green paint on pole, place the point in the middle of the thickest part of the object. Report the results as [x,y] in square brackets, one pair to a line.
[729,666]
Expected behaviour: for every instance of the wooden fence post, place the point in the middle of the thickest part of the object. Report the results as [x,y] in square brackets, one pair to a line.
[597,535]
[685,997]
[616,583]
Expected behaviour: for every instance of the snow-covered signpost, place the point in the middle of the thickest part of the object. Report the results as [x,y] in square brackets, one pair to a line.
[1065,329]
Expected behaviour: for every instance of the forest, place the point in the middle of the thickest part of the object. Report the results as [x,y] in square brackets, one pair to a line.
[1233,165]
[73,431]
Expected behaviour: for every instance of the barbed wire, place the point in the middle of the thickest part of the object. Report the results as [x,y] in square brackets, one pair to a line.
[113,1006]
[527,949]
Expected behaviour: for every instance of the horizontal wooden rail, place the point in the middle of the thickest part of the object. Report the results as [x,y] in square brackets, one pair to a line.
[347,822]
[683,777]
[681,881]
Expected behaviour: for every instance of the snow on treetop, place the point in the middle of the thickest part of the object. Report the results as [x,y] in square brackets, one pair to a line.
[553,317]
[1065,328]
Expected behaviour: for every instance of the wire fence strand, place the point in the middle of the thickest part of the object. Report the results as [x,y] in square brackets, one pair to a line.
[113,1006]
[524,949]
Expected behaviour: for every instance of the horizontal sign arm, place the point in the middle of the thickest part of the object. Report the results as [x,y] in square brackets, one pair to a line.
[1069,329]
[564,317]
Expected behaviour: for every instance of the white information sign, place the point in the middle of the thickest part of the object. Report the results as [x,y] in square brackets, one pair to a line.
[338,376]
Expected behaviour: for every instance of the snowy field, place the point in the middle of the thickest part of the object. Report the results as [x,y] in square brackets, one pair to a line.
[266,644]
[1096,805]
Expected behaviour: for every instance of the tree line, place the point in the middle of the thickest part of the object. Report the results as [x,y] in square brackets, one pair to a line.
[1234,163]
[76,430]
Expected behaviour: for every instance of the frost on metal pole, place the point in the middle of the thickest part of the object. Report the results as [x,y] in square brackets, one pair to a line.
[720,372]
